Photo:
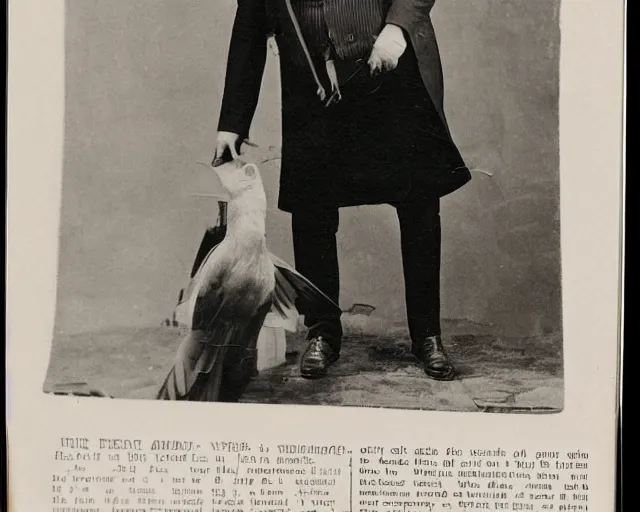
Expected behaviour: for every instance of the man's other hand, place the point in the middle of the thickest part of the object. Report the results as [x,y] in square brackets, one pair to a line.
[388,48]
[226,144]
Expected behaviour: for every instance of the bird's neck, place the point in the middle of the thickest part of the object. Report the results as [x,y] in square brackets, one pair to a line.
[246,216]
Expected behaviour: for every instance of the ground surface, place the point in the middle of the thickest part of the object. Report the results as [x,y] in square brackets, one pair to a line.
[375,369]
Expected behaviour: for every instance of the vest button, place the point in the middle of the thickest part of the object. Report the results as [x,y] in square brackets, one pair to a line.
[351,38]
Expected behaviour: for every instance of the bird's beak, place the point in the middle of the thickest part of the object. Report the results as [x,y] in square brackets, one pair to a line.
[218,170]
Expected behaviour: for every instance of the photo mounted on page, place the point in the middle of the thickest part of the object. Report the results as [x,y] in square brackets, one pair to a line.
[308,221]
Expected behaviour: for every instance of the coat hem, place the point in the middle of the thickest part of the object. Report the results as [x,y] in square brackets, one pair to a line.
[291,206]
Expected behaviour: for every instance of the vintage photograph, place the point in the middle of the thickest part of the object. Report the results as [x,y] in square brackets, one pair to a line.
[312,202]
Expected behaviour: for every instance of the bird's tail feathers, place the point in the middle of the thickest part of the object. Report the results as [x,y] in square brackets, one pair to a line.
[197,370]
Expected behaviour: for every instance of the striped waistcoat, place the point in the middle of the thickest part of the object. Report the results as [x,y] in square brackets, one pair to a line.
[343,29]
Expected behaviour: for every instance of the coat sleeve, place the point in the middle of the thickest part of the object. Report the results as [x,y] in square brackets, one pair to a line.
[245,67]
[407,13]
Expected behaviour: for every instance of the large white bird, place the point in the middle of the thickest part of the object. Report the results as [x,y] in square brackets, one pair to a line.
[235,287]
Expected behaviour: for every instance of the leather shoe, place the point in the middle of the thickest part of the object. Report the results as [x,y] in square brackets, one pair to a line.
[317,358]
[431,354]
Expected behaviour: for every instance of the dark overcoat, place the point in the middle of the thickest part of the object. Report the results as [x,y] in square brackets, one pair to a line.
[313,147]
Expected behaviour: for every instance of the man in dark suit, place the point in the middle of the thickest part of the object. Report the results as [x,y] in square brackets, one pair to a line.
[362,123]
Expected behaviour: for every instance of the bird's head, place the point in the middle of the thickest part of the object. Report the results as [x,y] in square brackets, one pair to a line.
[240,178]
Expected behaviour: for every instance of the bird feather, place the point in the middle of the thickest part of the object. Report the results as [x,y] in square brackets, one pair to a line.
[294,292]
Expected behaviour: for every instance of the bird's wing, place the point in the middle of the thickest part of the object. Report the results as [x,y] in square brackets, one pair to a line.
[216,359]
[207,272]
[294,292]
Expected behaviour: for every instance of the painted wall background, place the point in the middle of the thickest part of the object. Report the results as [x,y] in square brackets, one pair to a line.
[144,82]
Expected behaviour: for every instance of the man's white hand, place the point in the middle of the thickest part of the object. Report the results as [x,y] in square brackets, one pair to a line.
[388,48]
[224,141]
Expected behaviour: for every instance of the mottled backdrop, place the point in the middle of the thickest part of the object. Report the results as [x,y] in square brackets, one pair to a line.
[143,88]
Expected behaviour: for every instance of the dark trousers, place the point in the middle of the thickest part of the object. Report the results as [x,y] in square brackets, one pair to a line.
[316,257]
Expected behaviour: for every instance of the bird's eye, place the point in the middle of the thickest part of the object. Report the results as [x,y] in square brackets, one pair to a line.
[250,171]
